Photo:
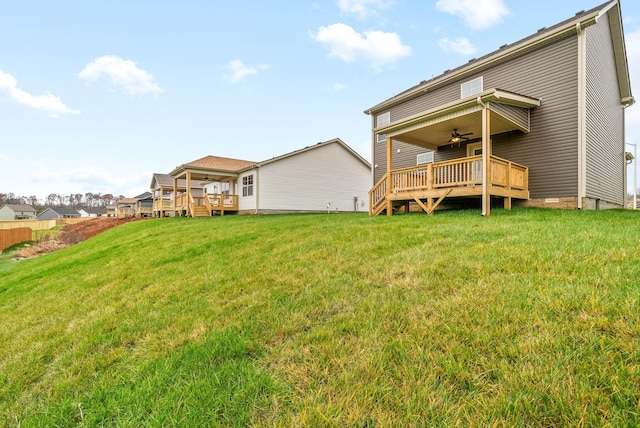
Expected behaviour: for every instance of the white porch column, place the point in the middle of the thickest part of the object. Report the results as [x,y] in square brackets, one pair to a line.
[486,155]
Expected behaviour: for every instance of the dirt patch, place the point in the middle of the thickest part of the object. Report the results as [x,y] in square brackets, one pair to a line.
[71,234]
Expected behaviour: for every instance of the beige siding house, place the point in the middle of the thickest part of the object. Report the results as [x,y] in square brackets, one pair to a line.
[328,176]
[539,122]
[17,212]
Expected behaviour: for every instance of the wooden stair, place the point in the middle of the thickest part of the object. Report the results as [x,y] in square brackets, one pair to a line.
[201,211]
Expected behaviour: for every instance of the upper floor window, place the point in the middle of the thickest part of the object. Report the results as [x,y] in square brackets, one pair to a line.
[471,87]
[381,120]
[247,185]
[424,158]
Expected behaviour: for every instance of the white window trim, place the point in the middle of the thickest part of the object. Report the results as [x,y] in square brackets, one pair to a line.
[247,187]
[471,147]
[381,120]
[432,156]
[470,84]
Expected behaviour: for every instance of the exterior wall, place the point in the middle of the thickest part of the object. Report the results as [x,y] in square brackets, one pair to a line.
[48,214]
[549,150]
[6,213]
[310,180]
[604,119]
[247,204]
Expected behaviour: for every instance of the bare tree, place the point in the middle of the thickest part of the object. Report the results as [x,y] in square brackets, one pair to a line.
[107,199]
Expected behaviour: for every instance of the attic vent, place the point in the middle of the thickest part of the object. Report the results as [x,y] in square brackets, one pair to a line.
[504,46]
[472,59]
[541,29]
[580,13]
[446,71]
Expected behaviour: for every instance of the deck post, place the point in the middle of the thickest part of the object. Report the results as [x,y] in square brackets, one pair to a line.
[486,155]
[188,201]
[389,168]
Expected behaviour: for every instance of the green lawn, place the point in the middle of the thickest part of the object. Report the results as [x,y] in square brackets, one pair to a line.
[525,318]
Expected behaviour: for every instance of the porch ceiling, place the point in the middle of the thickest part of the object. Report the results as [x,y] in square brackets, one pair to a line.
[433,128]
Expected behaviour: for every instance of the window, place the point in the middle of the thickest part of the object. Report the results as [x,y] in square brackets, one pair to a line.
[424,158]
[381,120]
[471,87]
[247,185]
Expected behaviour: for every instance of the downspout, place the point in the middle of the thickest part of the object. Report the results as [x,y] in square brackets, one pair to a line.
[257,186]
[582,113]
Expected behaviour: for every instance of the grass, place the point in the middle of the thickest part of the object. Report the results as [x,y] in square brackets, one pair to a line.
[525,318]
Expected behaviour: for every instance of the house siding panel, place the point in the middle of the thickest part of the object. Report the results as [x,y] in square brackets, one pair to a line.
[605,119]
[550,149]
[248,203]
[311,179]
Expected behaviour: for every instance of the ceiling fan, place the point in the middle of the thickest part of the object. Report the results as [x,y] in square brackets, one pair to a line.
[457,138]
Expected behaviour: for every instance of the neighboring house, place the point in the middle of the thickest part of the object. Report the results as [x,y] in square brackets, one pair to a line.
[163,187]
[540,121]
[17,212]
[112,210]
[58,212]
[139,206]
[93,212]
[144,205]
[328,176]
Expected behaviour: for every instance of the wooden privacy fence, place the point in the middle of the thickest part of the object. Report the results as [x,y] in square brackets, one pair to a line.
[11,237]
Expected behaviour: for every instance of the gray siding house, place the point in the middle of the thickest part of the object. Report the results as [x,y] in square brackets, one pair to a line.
[58,212]
[539,121]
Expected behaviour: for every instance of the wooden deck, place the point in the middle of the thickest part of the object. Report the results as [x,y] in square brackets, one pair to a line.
[205,206]
[428,185]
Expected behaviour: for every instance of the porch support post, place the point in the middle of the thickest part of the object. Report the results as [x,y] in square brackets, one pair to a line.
[175,195]
[389,168]
[486,155]
[188,201]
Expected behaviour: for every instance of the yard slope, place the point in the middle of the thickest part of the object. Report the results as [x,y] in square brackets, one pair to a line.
[526,318]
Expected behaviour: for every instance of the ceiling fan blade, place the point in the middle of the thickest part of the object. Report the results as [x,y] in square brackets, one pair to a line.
[463,135]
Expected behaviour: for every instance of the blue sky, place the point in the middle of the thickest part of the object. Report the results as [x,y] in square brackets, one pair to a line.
[97,96]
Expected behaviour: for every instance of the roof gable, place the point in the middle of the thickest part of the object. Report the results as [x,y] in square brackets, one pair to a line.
[165,181]
[62,211]
[221,163]
[20,207]
[316,146]
[542,37]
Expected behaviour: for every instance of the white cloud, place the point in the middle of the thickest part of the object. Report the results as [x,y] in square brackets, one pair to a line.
[122,73]
[239,71]
[339,86]
[46,102]
[478,14]
[460,45]
[375,47]
[362,8]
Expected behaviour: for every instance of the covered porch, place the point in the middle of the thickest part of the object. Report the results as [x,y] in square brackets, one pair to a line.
[480,174]
[209,187]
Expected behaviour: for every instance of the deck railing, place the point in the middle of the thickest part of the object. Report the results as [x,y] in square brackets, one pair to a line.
[212,202]
[162,204]
[220,201]
[462,172]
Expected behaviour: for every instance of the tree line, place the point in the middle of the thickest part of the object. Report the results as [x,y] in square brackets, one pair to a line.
[73,200]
